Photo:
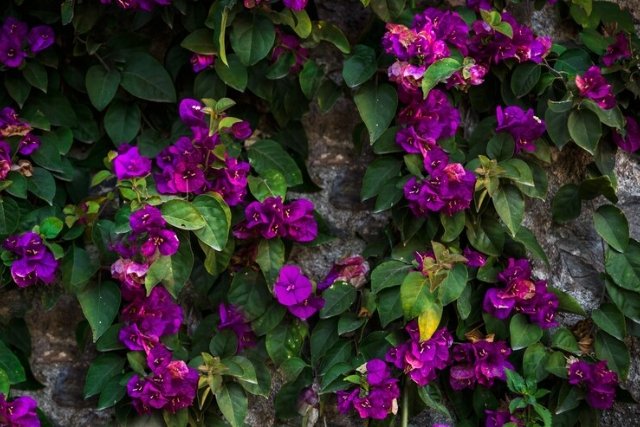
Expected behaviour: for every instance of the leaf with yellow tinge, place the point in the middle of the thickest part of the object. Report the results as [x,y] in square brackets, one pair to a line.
[429,320]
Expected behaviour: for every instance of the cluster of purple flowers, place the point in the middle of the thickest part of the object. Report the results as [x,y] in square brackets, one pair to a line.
[631,141]
[202,62]
[421,360]
[522,125]
[232,318]
[523,295]
[19,412]
[594,86]
[190,165]
[288,43]
[11,125]
[171,385]
[17,41]
[34,261]
[295,5]
[352,270]
[148,227]
[379,397]
[295,291]
[619,49]
[146,5]
[599,382]
[273,218]
[499,418]
[481,362]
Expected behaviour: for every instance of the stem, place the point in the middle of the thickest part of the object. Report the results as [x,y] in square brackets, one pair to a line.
[405,405]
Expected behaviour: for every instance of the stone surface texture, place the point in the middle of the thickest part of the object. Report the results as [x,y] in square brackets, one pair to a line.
[574,249]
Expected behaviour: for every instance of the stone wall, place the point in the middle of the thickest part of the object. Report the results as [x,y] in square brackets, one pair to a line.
[574,249]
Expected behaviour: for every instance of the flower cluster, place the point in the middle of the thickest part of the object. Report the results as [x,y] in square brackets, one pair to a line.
[191,165]
[619,49]
[34,261]
[146,5]
[523,295]
[273,218]
[11,125]
[17,41]
[594,86]
[421,360]
[599,382]
[149,227]
[232,318]
[294,290]
[352,270]
[379,396]
[128,163]
[481,362]
[289,44]
[522,125]
[19,412]
[631,141]
[499,418]
[171,385]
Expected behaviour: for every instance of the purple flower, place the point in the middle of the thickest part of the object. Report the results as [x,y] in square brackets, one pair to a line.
[630,142]
[600,382]
[165,241]
[146,5]
[307,308]
[40,38]
[292,286]
[34,263]
[523,126]
[19,412]
[202,62]
[620,49]
[11,53]
[191,112]
[500,418]
[345,399]
[131,276]
[28,144]
[289,43]
[271,219]
[241,130]
[482,362]
[130,164]
[381,396]
[516,269]
[593,85]
[232,318]
[475,259]
[498,303]
[189,178]
[295,5]
[353,270]
[147,219]
[14,28]
[158,358]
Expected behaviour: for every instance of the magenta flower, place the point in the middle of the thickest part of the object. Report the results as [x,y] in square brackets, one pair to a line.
[241,130]
[202,62]
[482,362]
[288,43]
[292,286]
[40,38]
[19,412]
[147,219]
[630,142]
[11,53]
[475,259]
[295,5]
[522,125]
[307,308]
[599,382]
[131,276]
[28,144]
[164,241]
[34,263]
[593,85]
[130,164]
[146,5]
[232,318]
[620,49]
[191,112]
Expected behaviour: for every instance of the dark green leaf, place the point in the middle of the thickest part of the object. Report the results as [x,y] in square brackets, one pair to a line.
[379,172]
[337,299]
[234,74]
[360,66]
[102,86]
[42,185]
[270,258]
[611,320]
[253,38]
[200,41]
[122,122]
[566,204]
[144,77]
[11,365]
[77,269]
[377,106]
[612,226]
[100,304]
[624,268]
[615,352]
[233,403]
[524,78]
[585,129]
[101,370]
[267,155]
[523,333]
[509,205]
[217,219]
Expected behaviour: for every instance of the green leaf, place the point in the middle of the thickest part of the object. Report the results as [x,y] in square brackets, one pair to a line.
[432,397]
[217,220]
[387,10]
[337,299]
[323,337]
[42,185]
[624,268]
[100,303]
[200,41]
[573,61]
[377,107]
[524,78]
[144,77]
[183,215]
[523,333]
[556,123]
[585,129]
[534,361]
[36,75]
[509,205]
[101,370]
[453,285]
[253,38]
[111,393]
[4,383]
[224,344]
[415,295]
[270,258]
[566,204]
[591,188]
[611,117]
[611,320]
[556,364]
[9,216]
[271,184]
[389,306]
[349,322]
[173,271]
[326,31]
[388,274]
[122,122]
[234,73]
[612,226]
[615,352]
[564,339]
[285,341]
[310,78]
[567,302]
[528,239]
[11,365]
[176,419]
[379,172]
[101,85]
[453,225]
[17,89]
[627,301]
[248,291]
[518,171]
[501,146]
[360,66]
[267,155]
[77,269]
[233,403]
[438,72]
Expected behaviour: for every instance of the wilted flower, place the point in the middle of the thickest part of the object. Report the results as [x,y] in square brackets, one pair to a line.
[352,270]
